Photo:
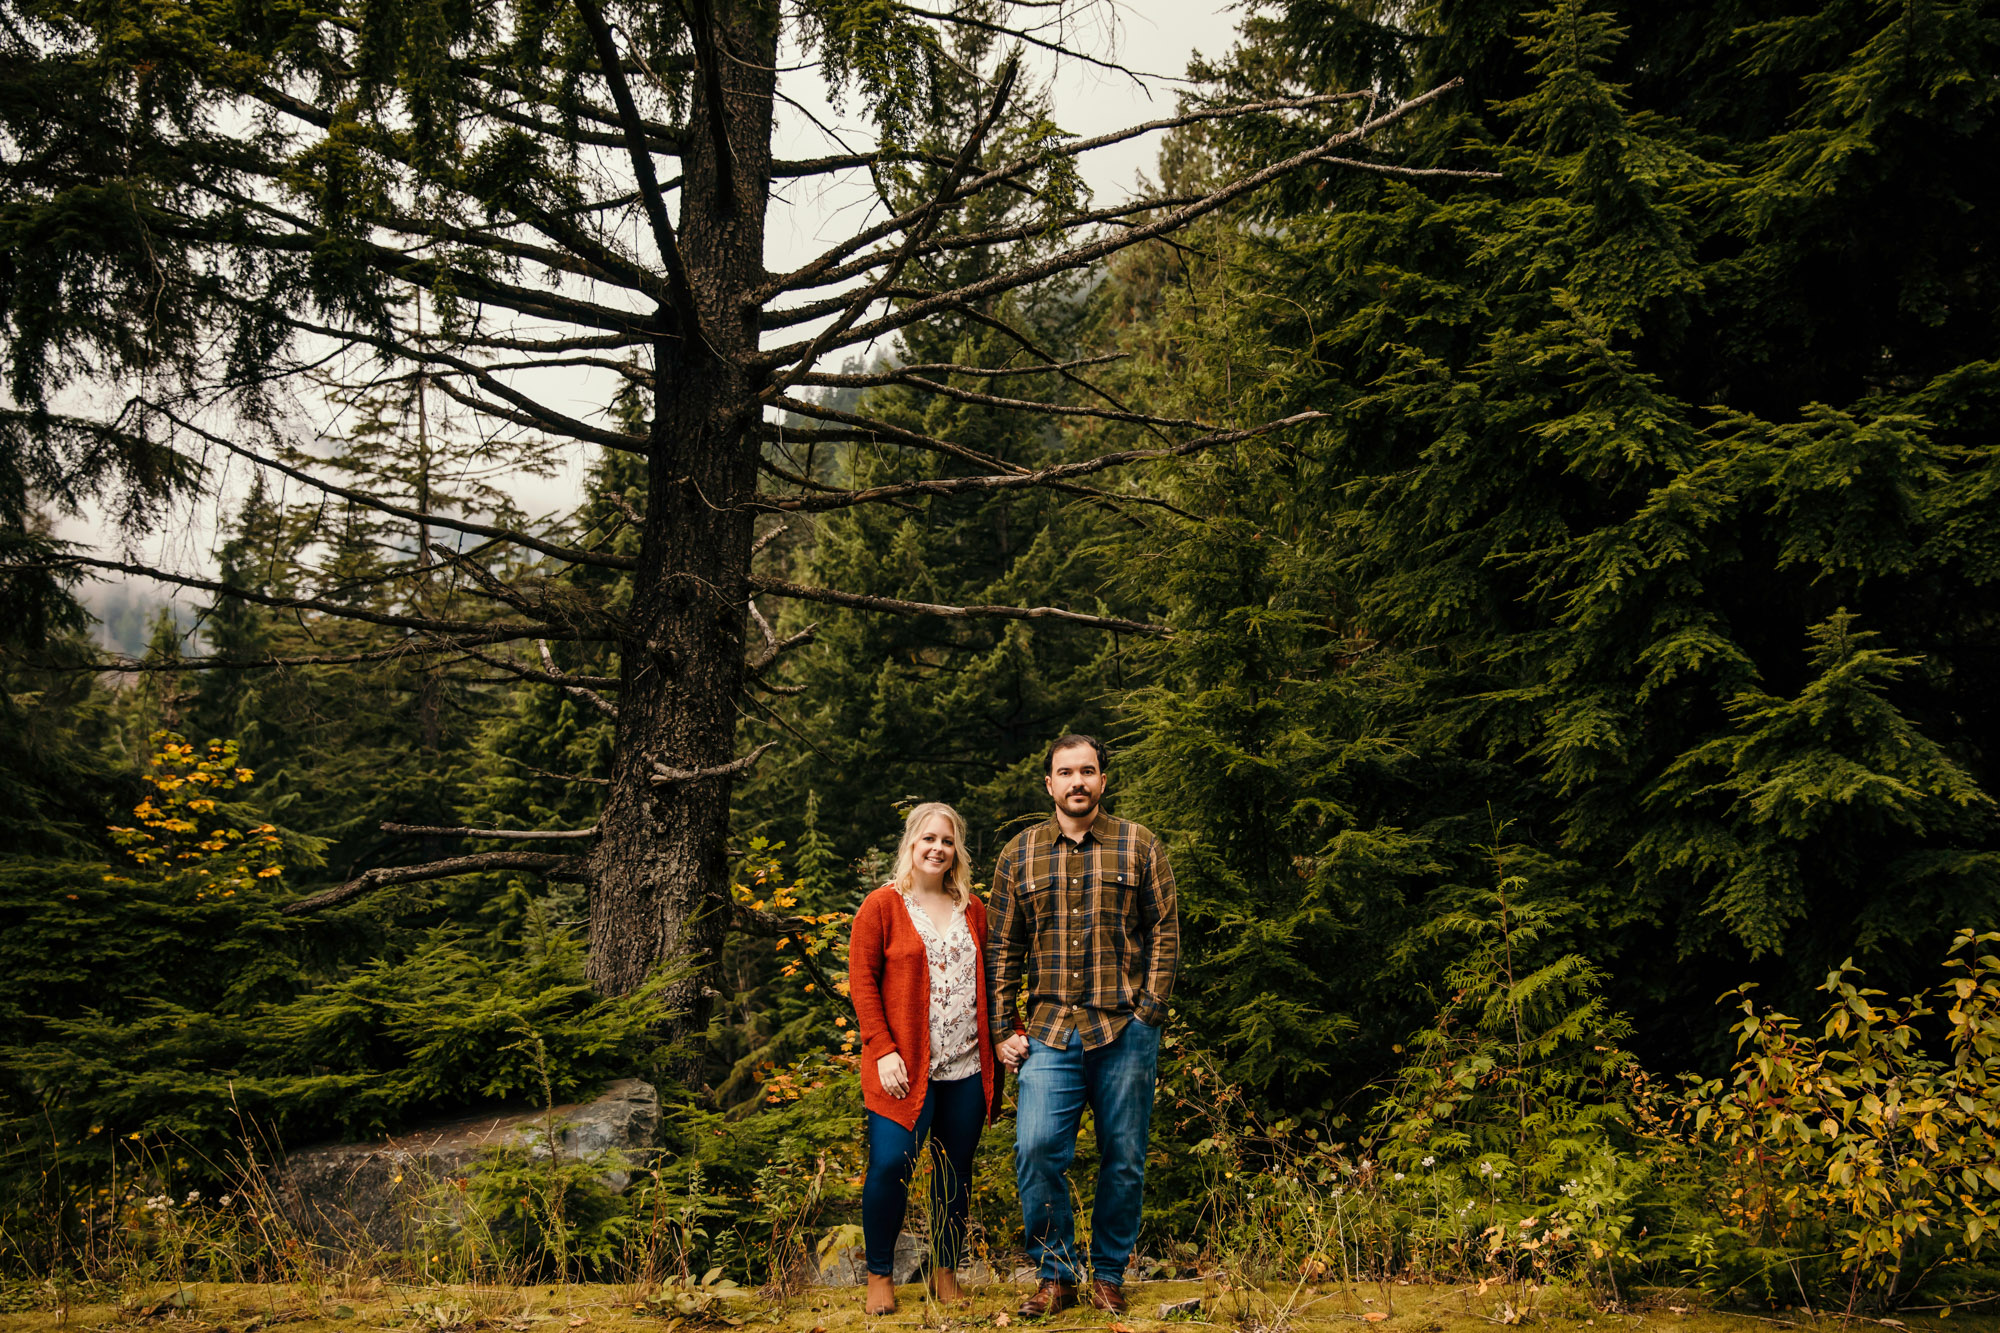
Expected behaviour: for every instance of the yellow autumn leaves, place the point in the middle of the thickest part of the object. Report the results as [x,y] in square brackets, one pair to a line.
[179,833]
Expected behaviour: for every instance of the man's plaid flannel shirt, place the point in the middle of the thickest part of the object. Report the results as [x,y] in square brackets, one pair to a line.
[1090,927]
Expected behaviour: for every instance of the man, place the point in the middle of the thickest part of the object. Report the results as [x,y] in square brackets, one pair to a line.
[1082,912]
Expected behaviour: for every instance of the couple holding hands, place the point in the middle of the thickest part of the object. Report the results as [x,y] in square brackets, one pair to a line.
[1082,916]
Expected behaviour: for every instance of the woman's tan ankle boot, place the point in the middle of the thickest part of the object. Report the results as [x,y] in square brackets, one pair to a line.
[944,1286]
[881,1298]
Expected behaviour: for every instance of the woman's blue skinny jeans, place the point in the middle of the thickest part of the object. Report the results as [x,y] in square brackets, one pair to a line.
[953,1115]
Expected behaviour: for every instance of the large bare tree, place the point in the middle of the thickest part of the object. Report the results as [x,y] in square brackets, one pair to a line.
[488,203]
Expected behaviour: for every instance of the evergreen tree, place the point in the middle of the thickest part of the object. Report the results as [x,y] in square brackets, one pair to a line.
[1616,437]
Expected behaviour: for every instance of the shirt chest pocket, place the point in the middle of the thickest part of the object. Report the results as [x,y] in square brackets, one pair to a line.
[1118,903]
[1046,903]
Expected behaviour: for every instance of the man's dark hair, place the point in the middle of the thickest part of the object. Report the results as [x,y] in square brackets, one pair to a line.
[1103,756]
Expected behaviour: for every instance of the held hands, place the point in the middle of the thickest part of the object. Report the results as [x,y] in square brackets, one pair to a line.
[895,1077]
[1012,1051]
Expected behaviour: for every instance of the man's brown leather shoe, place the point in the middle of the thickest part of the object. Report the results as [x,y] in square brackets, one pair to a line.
[1106,1296]
[1052,1297]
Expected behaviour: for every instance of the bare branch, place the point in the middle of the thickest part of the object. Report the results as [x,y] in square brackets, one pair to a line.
[1018,480]
[919,232]
[527,411]
[964,20]
[800,480]
[489,633]
[820,166]
[992,321]
[1030,405]
[520,672]
[862,602]
[763,625]
[624,506]
[789,315]
[550,865]
[536,346]
[559,777]
[569,553]
[1414,173]
[641,154]
[1082,255]
[874,379]
[664,774]
[138,665]
[489,584]
[882,432]
[1116,498]
[1032,229]
[662,139]
[474,286]
[807,275]
[434,831]
[596,700]
[775,647]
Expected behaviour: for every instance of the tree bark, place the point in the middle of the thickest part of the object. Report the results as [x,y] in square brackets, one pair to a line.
[660,871]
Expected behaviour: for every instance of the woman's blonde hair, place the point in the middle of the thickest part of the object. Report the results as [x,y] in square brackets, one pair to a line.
[957,880]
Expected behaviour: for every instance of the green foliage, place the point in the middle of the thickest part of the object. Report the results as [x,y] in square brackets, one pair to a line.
[1821,789]
[1521,1073]
[1611,437]
[165,1011]
[546,1216]
[444,1027]
[59,788]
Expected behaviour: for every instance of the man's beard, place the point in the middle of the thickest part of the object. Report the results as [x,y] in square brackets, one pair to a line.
[1090,809]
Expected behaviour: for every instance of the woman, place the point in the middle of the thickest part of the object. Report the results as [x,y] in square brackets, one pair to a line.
[917,975]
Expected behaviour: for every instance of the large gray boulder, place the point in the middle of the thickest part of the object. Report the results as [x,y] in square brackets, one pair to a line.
[386,1191]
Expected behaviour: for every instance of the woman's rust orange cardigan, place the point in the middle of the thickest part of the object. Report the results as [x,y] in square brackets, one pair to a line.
[889,980]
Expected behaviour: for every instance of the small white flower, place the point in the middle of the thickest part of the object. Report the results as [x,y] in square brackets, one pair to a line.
[225,1199]
[1430,1161]
[1486,1168]
[194,1196]
[1399,1175]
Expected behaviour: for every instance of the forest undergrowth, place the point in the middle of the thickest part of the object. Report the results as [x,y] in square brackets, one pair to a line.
[1520,1160]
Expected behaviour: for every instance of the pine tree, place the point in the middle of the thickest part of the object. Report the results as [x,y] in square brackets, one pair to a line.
[1614,437]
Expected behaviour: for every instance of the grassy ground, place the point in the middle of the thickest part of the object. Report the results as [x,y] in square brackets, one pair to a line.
[374,1305]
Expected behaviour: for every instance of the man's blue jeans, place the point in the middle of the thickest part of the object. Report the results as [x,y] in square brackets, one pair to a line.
[1116,1082]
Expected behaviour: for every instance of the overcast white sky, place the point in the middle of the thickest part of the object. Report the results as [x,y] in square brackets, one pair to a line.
[1157,36]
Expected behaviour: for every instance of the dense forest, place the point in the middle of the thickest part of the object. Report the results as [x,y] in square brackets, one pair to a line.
[1548,606]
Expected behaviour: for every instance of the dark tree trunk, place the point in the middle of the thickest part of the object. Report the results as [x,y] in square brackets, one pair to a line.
[660,870]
